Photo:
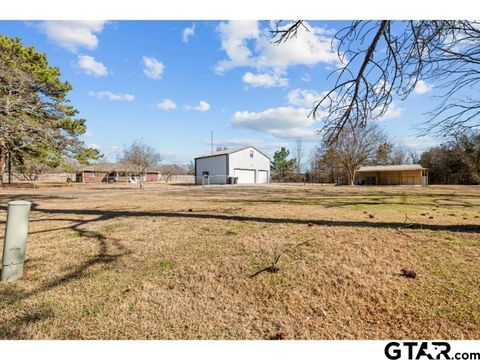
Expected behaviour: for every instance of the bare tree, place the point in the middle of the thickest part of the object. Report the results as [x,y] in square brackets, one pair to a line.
[29,169]
[356,146]
[414,156]
[190,168]
[383,59]
[399,155]
[325,165]
[454,162]
[168,171]
[167,176]
[140,157]
[384,153]
[467,148]
[299,156]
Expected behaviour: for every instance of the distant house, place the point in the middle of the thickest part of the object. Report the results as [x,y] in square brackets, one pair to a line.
[93,175]
[392,175]
[246,165]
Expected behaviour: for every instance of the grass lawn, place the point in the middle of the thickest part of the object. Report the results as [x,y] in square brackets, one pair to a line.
[185,262]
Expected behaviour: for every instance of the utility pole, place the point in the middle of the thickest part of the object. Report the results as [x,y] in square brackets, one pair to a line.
[211,139]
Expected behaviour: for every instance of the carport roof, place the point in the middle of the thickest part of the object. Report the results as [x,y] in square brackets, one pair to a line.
[390,168]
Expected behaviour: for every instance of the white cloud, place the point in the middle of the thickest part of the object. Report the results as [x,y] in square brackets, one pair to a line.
[381,86]
[187,33]
[420,143]
[234,142]
[91,66]
[234,36]
[202,106]
[152,67]
[303,98]
[241,141]
[306,134]
[264,80]
[282,122]
[73,35]
[307,48]
[306,77]
[111,96]
[173,157]
[110,152]
[166,104]
[273,118]
[422,87]
[393,111]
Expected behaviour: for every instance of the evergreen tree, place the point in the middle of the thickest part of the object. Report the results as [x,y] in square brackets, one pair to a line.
[282,166]
[36,119]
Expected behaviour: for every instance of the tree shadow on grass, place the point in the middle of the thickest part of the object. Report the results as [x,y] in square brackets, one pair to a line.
[342,198]
[112,214]
[16,328]
[31,197]
[336,202]
[349,192]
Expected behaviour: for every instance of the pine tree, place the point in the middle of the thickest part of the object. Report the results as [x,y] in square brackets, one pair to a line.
[36,119]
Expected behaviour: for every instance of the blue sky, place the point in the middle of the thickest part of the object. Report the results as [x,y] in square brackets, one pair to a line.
[170,83]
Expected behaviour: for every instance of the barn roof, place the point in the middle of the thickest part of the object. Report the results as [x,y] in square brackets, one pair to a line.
[230,151]
[390,168]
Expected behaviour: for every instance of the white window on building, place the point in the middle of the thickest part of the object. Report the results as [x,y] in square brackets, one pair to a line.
[251,153]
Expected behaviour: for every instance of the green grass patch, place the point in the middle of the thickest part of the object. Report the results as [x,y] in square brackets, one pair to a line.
[166,265]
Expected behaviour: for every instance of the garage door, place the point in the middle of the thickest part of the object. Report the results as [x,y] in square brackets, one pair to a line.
[245,176]
[262,176]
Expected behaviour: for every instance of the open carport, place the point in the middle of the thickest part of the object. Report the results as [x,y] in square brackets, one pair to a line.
[413,174]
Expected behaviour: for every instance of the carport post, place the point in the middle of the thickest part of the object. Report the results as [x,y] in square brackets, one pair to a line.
[16,233]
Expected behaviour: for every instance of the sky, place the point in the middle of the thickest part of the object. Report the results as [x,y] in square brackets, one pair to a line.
[170,83]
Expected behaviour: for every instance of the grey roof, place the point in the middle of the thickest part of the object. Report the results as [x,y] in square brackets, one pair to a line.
[391,168]
[230,151]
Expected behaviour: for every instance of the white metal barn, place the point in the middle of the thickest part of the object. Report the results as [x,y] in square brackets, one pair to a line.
[247,164]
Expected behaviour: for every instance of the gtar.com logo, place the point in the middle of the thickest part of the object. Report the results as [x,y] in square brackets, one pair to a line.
[417,350]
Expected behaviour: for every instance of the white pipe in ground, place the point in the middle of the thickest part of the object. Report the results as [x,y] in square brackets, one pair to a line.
[16,234]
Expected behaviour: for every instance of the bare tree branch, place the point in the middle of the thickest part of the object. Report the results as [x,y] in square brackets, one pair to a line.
[380,60]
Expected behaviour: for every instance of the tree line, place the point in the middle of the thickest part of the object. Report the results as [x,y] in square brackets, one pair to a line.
[137,158]
[456,161]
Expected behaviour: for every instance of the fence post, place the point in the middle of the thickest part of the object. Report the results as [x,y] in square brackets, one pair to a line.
[16,233]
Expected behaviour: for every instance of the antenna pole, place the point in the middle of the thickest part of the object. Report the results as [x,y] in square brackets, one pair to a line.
[211,139]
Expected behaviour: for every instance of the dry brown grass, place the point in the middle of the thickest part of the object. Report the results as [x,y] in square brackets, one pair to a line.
[106,263]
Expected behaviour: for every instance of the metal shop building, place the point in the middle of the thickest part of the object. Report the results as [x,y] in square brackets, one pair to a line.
[244,165]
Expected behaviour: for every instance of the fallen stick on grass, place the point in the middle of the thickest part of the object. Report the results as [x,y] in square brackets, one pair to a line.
[273,268]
